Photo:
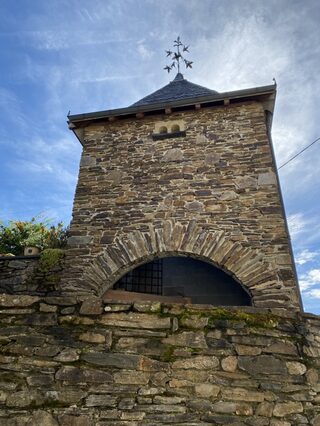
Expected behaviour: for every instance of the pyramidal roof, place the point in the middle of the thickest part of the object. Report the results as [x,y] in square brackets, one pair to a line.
[177,89]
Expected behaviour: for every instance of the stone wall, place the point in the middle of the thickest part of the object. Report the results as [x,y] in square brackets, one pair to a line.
[64,363]
[33,275]
[211,194]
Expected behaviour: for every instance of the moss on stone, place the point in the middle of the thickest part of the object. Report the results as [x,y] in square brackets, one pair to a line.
[50,259]
[167,355]
[255,320]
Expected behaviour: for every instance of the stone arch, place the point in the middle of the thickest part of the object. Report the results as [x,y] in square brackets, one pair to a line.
[174,238]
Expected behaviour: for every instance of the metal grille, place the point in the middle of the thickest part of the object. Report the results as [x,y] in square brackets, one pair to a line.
[144,279]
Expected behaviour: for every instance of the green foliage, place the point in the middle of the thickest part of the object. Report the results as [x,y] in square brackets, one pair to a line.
[50,259]
[34,233]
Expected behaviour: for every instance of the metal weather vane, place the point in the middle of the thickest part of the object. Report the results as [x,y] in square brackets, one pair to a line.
[177,56]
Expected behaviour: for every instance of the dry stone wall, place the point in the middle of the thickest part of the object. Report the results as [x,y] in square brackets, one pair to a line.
[219,176]
[34,275]
[65,363]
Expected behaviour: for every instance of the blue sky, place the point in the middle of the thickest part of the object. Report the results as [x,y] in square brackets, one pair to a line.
[85,56]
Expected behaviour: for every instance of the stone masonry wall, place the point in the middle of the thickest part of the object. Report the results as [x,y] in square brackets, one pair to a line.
[64,363]
[215,188]
[33,275]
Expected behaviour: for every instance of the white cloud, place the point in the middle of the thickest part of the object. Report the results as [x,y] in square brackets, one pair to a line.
[306,256]
[315,293]
[143,51]
[310,279]
[297,223]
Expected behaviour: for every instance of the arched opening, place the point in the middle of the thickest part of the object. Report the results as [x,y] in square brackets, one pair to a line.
[163,129]
[175,128]
[184,277]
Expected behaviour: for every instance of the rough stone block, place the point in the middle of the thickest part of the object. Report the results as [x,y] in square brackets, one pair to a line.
[187,338]
[283,409]
[197,362]
[263,364]
[82,375]
[117,360]
[135,320]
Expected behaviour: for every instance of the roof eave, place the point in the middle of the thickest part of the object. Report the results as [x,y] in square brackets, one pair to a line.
[266,93]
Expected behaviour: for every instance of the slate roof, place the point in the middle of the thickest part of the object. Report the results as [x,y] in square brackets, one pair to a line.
[177,89]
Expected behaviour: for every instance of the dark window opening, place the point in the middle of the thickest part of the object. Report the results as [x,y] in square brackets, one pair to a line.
[185,277]
[175,128]
[163,130]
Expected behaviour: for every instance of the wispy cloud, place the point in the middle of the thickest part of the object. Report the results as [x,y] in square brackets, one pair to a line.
[306,256]
[310,279]
[297,223]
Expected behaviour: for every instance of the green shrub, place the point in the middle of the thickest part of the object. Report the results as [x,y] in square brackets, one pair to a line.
[34,233]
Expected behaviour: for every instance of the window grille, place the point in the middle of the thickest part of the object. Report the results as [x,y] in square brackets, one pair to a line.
[146,278]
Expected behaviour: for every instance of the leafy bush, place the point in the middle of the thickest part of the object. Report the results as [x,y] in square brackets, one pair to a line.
[34,233]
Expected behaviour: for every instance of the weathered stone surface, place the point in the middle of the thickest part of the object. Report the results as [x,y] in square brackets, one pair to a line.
[91,306]
[23,399]
[174,384]
[316,420]
[42,418]
[67,355]
[83,375]
[241,394]
[133,377]
[41,319]
[265,409]
[172,155]
[187,338]
[39,380]
[264,364]
[229,363]
[101,400]
[282,409]
[112,359]
[67,396]
[287,348]
[11,301]
[92,337]
[87,161]
[73,420]
[206,390]
[266,179]
[194,322]
[79,240]
[248,350]
[312,376]
[296,368]
[147,306]
[198,363]
[47,308]
[135,320]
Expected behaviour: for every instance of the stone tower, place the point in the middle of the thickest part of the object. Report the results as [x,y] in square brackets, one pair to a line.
[185,171]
